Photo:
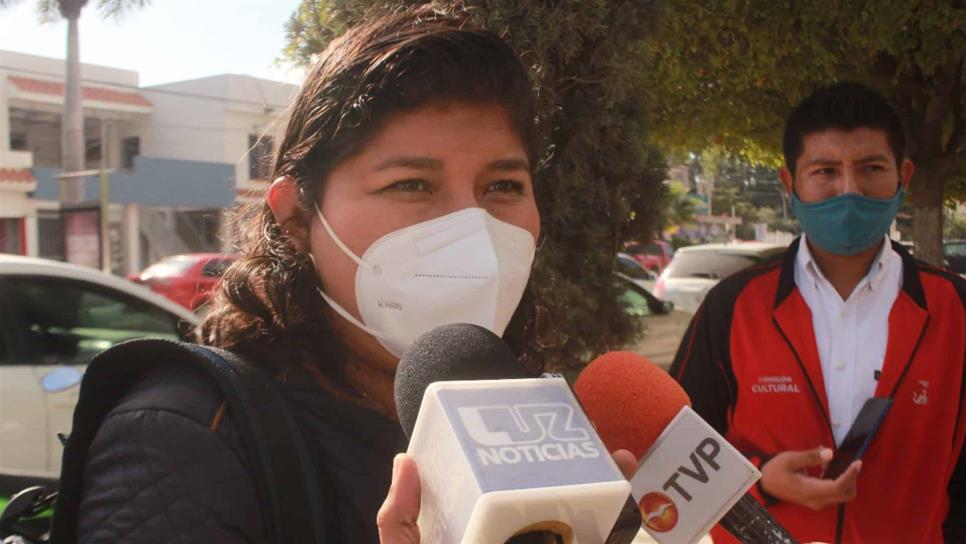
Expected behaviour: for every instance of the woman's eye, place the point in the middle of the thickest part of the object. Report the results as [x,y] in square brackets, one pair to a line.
[505,186]
[409,186]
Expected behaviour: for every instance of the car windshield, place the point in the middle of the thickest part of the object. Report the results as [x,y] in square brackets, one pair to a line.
[64,321]
[957,249]
[712,265]
[172,266]
[630,268]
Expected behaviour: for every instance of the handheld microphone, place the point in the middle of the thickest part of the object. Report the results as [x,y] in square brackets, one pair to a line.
[689,477]
[499,458]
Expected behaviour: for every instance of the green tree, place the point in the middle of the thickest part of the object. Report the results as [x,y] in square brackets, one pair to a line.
[600,183]
[728,73]
[72,123]
[681,206]
[753,191]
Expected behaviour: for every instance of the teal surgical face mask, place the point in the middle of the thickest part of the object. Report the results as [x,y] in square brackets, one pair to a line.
[847,224]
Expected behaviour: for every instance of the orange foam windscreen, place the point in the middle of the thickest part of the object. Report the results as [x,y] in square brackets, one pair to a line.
[629,399]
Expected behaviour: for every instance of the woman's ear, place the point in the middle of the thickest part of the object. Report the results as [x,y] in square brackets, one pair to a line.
[283,200]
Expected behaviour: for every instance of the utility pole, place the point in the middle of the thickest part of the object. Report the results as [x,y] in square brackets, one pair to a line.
[105,197]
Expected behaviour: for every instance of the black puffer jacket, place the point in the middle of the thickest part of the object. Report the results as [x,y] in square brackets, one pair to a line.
[162,468]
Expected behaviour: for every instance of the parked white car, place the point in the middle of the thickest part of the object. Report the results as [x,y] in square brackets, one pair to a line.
[55,317]
[694,270]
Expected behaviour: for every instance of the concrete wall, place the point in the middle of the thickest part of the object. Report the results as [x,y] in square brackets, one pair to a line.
[183,127]
[212,118]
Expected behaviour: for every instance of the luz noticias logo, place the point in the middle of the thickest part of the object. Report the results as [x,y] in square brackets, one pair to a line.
[659,512]
[527,433]
[522,424]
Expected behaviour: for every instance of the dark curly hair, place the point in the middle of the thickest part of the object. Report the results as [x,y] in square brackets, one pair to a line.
[267,307]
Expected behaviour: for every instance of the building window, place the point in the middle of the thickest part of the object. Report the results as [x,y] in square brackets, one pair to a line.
[18,142]
[259,156]
[11,236]
[92,150]
[50,230]
[130,148]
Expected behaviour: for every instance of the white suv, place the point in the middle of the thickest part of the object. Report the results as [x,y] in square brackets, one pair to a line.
[55,317]
[694,270]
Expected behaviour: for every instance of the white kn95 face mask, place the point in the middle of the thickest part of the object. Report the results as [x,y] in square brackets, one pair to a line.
[464,267]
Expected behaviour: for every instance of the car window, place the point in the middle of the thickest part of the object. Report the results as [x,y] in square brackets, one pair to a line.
[631,269]
[956,250]
[215,268]
[712,265]
[169,267]
[653,249]
[63,321]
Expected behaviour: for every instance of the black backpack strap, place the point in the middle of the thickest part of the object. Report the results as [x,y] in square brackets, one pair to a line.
[285,479]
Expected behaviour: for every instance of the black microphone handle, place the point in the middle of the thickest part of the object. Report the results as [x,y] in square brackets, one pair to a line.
[750,523]
[628,523]
[536,537]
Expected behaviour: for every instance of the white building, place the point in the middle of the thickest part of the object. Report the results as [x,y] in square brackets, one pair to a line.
[179,154]
[229,118]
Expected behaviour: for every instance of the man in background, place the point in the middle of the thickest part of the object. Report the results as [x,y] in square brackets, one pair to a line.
[782,356]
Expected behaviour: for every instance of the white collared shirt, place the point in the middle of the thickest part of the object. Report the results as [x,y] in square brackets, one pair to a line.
[851,335]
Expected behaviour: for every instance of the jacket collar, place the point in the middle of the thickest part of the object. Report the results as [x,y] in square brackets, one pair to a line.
[911,283]
[786,278]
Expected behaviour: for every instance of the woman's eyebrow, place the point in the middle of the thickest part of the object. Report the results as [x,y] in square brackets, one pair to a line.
[509,164]
[419,163]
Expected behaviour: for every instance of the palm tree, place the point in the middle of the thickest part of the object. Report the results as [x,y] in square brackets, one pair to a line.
[72,124]
[681,206]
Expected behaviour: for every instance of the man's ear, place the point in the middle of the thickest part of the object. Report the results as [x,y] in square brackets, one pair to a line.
[283,200]
[787,180]
[906,170]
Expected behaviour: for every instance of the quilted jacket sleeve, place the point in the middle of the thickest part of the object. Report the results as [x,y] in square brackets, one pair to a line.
[156,476]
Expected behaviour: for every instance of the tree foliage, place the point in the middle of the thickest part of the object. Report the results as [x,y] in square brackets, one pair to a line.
[52,10]
[752,191]
[600,182]
[681,207]
[728,72]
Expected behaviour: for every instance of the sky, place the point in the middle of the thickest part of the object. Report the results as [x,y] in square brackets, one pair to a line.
[169,40]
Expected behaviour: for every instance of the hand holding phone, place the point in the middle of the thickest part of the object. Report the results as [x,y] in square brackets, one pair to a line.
[859,437]
[786,477]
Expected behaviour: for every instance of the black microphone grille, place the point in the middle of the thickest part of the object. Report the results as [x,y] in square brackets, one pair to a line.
[459,351]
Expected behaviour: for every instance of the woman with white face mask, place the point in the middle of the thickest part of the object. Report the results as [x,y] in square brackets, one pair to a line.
[402,200]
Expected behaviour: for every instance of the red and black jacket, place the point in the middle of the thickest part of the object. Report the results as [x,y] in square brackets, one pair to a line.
[750,364]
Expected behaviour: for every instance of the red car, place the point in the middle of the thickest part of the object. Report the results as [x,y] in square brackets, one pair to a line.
[186,279]
[653,256]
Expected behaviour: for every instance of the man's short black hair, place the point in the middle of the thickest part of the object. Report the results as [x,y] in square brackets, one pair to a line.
[844,106]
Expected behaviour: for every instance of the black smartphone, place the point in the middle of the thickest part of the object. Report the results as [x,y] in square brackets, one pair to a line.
[859,436]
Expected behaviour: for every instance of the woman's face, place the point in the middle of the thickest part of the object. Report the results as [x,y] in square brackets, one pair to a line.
[423,164]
